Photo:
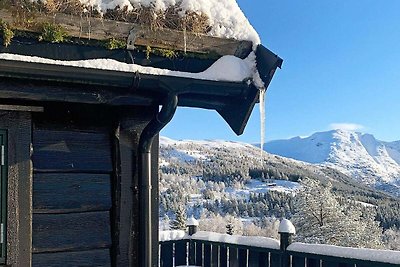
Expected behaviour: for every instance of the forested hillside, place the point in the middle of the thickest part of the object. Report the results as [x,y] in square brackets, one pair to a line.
[230,184]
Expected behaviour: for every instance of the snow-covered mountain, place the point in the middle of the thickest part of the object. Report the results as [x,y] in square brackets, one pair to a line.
[230,162]
[361,156]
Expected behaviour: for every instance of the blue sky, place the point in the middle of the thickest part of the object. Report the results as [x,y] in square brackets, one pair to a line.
[341,69]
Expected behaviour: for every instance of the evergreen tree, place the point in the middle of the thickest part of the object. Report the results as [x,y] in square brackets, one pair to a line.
[229,228]
[179,223]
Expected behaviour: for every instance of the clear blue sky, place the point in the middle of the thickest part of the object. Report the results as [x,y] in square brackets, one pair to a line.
[341,65]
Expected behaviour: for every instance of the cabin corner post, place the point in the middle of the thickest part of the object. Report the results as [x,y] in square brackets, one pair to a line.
[130,126]
[19,187]
[127,138]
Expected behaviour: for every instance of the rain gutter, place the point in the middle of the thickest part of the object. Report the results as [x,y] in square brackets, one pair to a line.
[145,190]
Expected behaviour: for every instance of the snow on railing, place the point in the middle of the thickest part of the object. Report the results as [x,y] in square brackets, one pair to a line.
[253,241]
[375,255]
[171,235]
[203,248]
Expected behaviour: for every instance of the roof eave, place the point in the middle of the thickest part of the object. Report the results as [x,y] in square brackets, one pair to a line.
[233,100]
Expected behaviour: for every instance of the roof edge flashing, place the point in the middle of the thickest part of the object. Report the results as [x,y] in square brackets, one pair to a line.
[267,63]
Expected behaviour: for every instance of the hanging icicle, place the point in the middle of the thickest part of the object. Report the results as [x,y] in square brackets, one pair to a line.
[262,122]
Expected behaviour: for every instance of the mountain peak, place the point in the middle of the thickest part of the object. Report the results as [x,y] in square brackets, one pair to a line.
[357,154]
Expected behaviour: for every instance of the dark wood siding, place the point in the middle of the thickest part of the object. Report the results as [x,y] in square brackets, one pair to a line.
[72,199]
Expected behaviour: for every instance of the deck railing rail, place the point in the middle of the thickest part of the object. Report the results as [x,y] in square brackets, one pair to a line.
[209,249]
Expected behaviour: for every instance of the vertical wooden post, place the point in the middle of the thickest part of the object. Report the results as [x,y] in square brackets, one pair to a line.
[286,231]
[192,224]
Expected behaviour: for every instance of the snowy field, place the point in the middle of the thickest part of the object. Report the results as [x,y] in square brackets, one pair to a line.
[256,186]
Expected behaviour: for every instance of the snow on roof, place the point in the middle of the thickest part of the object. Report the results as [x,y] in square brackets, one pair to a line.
[225,16]
[227,68]
[387,256]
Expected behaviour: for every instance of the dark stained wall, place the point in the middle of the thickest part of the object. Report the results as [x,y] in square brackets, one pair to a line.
[81,190]
[72,190]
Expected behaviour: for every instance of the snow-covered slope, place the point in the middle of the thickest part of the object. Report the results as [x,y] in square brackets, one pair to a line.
[234,161]
[361,156]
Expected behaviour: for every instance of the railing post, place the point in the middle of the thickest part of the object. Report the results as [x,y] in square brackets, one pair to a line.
[286,231]
[192,224]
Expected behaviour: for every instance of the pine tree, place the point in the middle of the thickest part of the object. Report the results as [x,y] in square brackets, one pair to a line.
[179,223]
[229,228]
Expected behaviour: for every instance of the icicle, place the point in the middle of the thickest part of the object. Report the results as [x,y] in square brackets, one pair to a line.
[262,121]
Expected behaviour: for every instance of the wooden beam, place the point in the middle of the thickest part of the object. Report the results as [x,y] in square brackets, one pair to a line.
[13,89]
[101,29]
[21,108]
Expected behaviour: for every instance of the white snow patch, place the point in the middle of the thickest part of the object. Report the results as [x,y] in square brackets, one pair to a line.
[192,222]
[365,204]
[171,235]
[227,68]
[257,186]
[255,241]
[286,226]
[375,255]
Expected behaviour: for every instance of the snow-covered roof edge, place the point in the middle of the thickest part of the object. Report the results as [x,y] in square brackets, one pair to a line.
[227,68]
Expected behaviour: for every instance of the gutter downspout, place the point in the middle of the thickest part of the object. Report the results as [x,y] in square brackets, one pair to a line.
[145,189]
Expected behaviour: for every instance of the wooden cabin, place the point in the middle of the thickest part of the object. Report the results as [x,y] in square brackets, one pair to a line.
[79,146]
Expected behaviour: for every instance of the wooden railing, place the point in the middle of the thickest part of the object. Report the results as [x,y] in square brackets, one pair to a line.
[219,250]
[197,252]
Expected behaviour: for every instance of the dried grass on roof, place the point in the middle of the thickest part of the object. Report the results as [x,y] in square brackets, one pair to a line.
[169,18]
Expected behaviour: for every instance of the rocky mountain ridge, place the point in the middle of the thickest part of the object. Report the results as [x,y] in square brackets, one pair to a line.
[363,157]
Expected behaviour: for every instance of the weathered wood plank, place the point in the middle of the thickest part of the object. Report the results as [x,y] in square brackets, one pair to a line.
[71,151]
[199,254]
[233,257]
[298,261]
[180,253]
[214,255]
[75,231]
[50,91]
[243,257]
[192,252]
[100,257]
[254,259]
[264,259]
[274,260]
[101,29]
[166,255]
[313,262]
[223,256]
[21,108]
[63,192]
[207,255]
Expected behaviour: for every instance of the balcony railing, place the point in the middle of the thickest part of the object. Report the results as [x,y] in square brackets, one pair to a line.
[220,250]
